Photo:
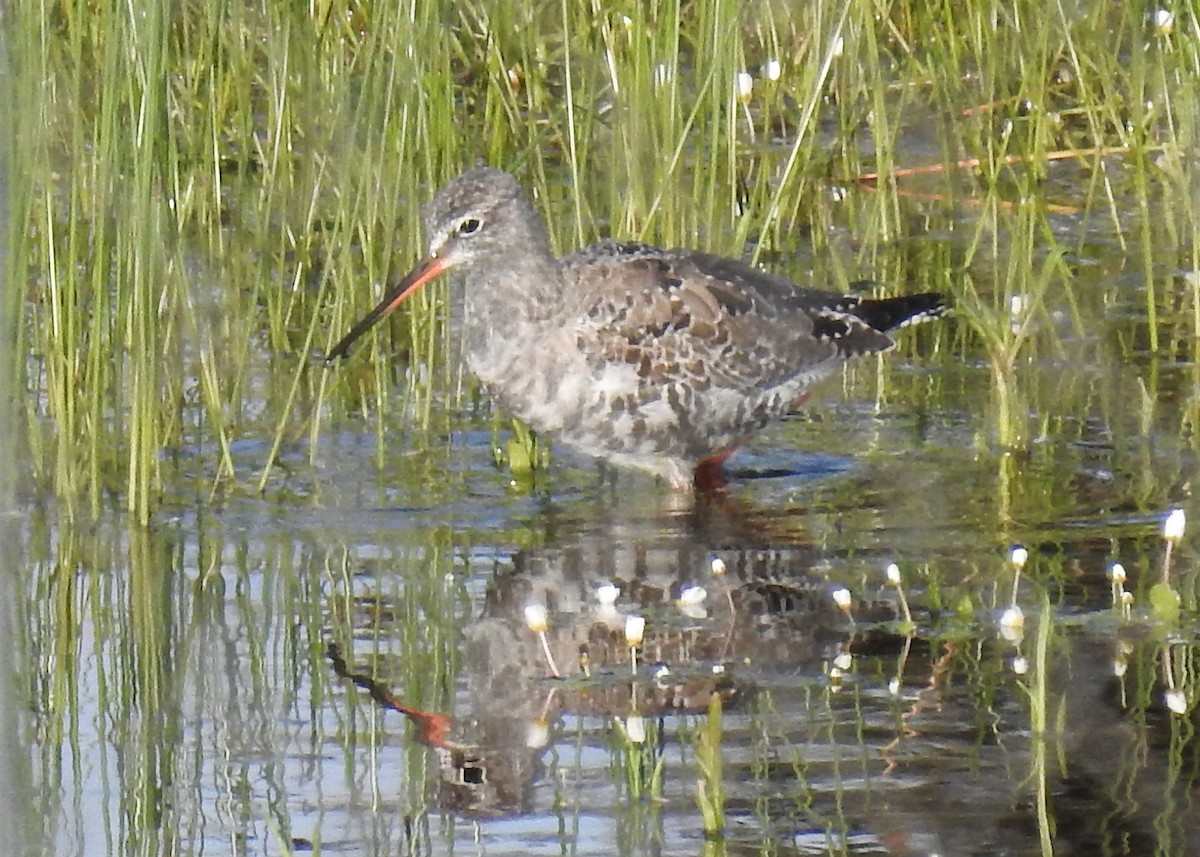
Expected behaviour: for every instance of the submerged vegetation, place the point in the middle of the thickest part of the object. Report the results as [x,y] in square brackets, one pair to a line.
[204,196]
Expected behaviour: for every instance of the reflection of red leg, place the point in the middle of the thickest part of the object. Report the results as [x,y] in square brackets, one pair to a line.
[433,730]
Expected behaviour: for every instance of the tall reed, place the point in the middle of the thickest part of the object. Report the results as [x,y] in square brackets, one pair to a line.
[205,195]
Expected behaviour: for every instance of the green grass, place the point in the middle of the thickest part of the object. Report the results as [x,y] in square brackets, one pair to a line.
[710,785]
[203,196]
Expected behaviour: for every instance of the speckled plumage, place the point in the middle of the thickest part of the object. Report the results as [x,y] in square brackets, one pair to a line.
[643,357]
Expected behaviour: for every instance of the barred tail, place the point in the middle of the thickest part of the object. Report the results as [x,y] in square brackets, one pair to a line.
[888,314]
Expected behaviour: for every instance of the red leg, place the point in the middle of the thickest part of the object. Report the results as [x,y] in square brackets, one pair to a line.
[708,474]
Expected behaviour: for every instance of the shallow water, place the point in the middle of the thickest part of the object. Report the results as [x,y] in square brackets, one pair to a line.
[187,700]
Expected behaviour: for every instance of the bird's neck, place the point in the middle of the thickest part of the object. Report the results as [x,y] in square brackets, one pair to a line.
[511,312]
[523,288]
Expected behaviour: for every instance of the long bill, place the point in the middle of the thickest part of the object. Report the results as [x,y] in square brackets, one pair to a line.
[427,269]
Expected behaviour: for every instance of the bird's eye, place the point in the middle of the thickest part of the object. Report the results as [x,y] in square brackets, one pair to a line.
[469,226]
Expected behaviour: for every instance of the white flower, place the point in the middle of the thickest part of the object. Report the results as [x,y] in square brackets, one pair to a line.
[635,630]
[1020,666]
[1174,525]
[841,597]
[1164,21]
[1019,556]
[1012,618]
[893,574]
[606,593]
[844,661]
[1012,624]
[635,728]
[535,618]
[1016,304]
[1176,701]
[691,601]
[691,595]
[894,686]
[537,735]
[718,566]
[743,86]
[772,70]
[1117,573]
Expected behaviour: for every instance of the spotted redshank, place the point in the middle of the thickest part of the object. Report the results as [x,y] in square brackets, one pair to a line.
[660,360]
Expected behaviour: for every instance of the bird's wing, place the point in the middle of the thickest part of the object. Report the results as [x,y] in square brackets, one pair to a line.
[681,315]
